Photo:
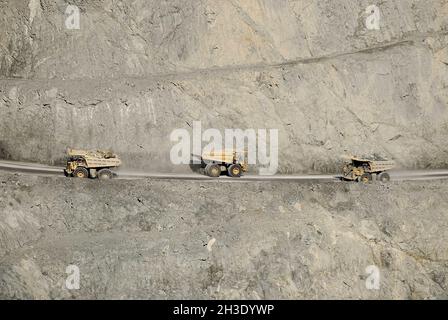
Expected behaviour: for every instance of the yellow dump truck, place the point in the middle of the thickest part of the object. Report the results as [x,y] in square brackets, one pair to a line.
[366,169]
[93,164]
[230,161]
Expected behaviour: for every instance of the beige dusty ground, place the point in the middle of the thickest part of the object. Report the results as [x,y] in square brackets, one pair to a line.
[148,239]
[137,70]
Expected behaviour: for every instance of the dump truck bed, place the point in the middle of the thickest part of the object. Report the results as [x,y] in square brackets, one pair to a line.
[93,162]
[379,166]
[225,156]
[376,165]
[96,159]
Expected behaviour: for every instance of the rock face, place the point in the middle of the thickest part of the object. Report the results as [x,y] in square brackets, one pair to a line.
[159,239]
[136,70]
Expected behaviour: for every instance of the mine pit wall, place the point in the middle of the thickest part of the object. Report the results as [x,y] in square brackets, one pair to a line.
[137,70]
[148,239]
[330,86]
[391,102]
[142,38]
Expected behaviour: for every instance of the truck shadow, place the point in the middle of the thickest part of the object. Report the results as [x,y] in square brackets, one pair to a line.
[4,153]
[197,167]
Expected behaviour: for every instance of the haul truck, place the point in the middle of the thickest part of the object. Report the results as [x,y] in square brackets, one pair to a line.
[365,170]
[93,164]
[230,161]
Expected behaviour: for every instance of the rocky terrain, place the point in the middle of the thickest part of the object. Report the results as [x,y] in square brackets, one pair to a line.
[137,70]
[152,239]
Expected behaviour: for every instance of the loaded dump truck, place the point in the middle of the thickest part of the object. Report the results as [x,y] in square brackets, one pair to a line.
[93,164]
[366,169]
[230,161]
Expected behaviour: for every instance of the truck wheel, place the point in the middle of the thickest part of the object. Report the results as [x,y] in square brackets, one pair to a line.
[81,172]
[366,177]
[213,170]
[105,174]
[384,177]
[234,171]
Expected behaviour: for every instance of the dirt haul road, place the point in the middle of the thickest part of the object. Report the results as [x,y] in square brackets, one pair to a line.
[38,169]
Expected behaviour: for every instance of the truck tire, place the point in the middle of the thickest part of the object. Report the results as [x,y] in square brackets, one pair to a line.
[213,170]
[105,174]
[384,177]
[81,172]
[365,178]
[234,171]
